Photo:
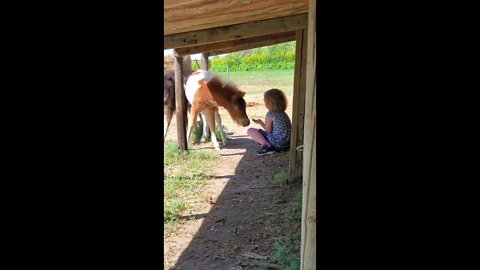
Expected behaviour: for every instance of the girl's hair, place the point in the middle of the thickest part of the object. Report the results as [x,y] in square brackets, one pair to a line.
[277,98]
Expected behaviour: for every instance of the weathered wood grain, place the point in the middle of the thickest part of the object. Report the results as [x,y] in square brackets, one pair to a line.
[191,15]
[205,63]
[252,46]
[298,107]
[238,44]
[237,31]
[308,249]
[181,106]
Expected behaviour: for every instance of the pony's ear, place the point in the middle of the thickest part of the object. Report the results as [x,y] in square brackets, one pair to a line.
[242,94]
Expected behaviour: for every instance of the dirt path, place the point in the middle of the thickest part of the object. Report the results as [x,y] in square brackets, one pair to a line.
[242,212]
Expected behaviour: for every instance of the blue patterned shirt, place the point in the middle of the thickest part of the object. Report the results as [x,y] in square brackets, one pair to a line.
[281,129]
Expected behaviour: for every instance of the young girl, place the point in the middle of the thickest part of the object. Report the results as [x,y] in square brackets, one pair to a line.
[275,134]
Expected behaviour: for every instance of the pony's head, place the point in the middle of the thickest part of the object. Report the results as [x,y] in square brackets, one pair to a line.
[238,109]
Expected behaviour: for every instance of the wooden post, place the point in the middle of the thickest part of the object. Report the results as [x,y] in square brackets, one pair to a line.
[308,259]
[298,107]
[205,63]
[187,66]
[181,106]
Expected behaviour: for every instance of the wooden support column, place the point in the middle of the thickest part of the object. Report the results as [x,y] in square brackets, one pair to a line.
[205,63]
[308,251]
[298,105]
[187,66]
[181,106]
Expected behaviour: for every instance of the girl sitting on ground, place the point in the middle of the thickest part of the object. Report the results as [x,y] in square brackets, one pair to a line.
[275,132]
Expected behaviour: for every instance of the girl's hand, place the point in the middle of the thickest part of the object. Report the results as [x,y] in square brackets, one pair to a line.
[257,121]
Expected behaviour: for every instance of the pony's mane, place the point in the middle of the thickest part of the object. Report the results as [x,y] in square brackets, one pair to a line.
[224,85]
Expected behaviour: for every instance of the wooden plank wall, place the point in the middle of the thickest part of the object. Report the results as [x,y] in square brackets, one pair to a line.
[308,251]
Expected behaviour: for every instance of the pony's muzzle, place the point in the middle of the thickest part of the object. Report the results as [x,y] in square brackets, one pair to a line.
[246,122]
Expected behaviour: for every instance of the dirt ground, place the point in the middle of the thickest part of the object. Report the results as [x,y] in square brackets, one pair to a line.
[242,212]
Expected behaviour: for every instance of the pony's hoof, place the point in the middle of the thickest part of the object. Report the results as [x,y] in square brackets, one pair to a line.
[202,140]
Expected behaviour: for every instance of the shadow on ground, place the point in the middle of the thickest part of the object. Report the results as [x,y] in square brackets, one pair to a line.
[247,218]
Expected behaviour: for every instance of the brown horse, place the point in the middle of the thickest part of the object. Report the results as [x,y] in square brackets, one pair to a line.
[206,92]
[169,98]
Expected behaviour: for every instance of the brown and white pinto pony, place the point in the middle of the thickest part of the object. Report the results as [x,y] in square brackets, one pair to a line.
[206,92]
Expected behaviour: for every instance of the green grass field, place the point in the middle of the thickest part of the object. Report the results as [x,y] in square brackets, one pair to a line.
[257,82]
[183,173]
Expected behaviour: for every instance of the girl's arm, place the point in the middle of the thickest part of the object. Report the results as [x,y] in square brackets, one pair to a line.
[259,122]
[268,124]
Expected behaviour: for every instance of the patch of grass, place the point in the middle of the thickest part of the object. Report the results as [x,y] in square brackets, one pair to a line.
[183,174]
[294,212]
[191,160]
[197,133]
[281,177]
[286,252]
[173,206]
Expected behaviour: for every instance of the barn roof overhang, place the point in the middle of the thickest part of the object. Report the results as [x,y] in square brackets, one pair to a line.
[182,16]
[218,27]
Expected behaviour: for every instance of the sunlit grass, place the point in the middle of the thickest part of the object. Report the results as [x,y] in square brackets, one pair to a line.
[184,173]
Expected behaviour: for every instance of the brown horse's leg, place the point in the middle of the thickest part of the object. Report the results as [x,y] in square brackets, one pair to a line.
[192,122]
[210,115]
[205,127]
[167,120]
[219,123]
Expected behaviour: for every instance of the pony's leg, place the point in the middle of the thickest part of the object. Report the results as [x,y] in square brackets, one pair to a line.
[219,123]
[191,124]
[166,122]
[205,127]
[210,115]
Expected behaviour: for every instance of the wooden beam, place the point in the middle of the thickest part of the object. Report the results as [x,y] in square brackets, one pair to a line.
[182,16]
[298,105]
[248,43]
[181,107]
[308,250]
[173,3]
[252,46]
[238,31]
